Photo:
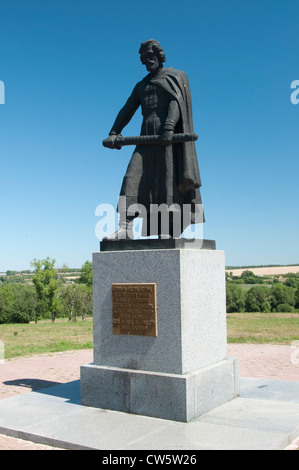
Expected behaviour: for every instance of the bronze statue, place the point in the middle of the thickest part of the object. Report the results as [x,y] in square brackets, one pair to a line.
[163,169]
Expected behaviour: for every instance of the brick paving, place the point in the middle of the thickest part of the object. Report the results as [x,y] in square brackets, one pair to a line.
[269,361]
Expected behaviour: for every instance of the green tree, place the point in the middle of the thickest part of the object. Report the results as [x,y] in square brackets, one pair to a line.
[235,298]
[282,295]
[86,301]
[6,302]
[297,297]
[76,300]
[86,274]
[284,308]
[68,300]
[248,277]
[292,282]
[24,305]
[45,280]
[257,299]
[266,306]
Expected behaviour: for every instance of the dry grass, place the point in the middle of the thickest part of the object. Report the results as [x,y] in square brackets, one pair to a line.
[278,328]
[266,271]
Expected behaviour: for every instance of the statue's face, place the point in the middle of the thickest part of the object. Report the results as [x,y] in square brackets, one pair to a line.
[151,60]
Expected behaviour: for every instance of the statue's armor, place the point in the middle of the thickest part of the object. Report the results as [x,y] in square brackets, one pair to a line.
[157,114]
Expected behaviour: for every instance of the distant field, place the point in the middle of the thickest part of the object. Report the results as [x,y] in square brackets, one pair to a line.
[74,274]
[266,271]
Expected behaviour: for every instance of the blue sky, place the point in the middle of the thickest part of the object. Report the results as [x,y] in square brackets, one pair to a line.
[68,67]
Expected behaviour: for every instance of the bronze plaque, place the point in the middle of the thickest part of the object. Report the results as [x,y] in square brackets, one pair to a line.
[134,309]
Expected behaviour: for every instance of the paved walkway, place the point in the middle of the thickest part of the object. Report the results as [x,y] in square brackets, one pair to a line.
[276,362]
[268,361]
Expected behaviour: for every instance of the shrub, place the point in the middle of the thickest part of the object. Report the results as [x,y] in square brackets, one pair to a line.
[284,308]
[282,294]
[235,298]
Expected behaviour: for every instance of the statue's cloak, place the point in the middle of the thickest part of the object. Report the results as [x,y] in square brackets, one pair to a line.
[177,84]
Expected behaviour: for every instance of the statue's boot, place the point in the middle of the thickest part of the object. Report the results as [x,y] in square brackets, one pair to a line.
[165,236]
[124,232]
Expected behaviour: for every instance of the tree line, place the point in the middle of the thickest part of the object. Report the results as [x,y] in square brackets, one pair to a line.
[47,296]
[264,296]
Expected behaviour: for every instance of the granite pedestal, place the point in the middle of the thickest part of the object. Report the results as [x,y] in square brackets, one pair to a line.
[182,372]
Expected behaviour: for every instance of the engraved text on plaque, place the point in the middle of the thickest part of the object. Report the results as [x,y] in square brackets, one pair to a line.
[134,309]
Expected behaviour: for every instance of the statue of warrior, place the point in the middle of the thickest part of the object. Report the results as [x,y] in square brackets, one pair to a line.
[167,172]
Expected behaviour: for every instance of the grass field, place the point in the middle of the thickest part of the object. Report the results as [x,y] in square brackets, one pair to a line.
[278,328]
[47,337]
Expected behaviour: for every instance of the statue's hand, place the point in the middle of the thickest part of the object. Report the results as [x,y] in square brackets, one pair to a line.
[166,138]
[109,142]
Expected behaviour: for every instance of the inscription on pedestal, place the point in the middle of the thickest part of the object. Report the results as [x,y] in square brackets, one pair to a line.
[134,309]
